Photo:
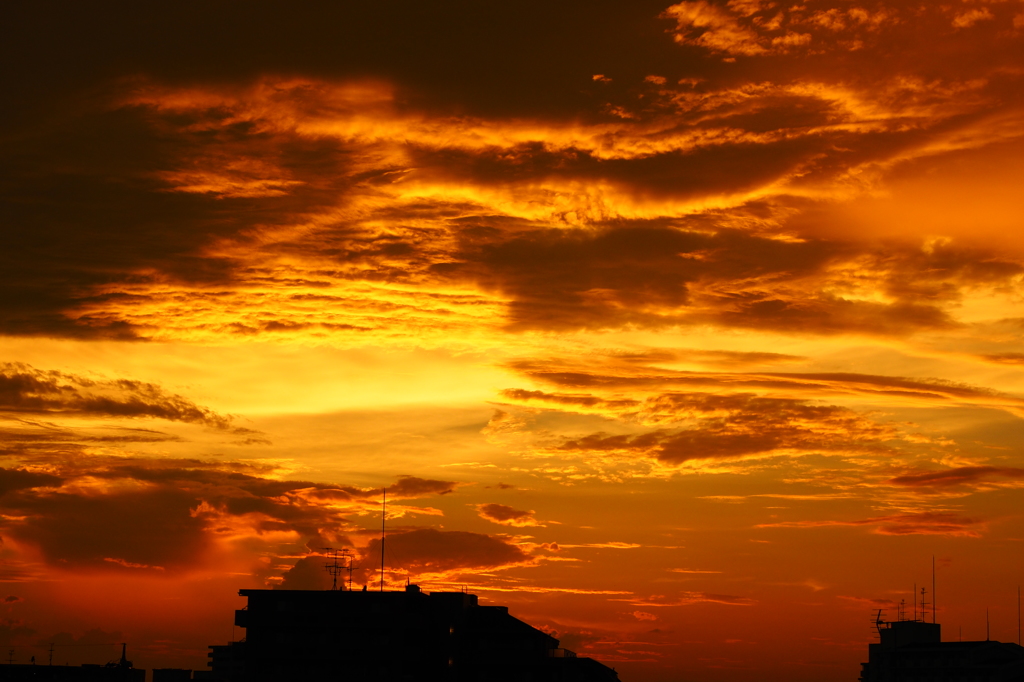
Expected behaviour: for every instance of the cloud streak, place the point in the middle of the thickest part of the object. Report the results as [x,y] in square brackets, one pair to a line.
[27,390]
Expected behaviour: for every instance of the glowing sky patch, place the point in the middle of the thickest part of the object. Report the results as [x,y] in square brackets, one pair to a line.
[688,331]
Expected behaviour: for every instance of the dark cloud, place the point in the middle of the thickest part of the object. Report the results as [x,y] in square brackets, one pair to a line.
[681,446]
[13,630]
[308,573]
[730,426]
[94,637]
[652,274]
[569,374]
[428,550]
[412,552]
[562,279]
[503,514]
[147,529]
[565,400]
[19,479]
[100,242]
[1004,358]
[90,218]
[133,513]
[168,167]
[454,52]
[25,389]
[731,166]
[720,358]
[824,314]
[913,523]
[411,487]
[957,476]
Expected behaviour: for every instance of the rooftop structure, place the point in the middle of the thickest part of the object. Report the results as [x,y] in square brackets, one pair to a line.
[115,671]
[913,651]
[393,637]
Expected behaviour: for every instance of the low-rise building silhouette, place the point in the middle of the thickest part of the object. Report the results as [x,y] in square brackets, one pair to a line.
[913,651]
[392,637]
[227,662]
[115,671]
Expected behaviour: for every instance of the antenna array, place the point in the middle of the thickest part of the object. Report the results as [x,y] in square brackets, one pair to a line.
[335,568]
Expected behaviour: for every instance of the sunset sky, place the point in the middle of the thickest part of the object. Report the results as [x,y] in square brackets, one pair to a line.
[690,332]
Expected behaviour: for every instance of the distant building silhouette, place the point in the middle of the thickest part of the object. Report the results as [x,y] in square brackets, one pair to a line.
[391,637]
[227,662]
[115,671]
[913,651]
[171,675]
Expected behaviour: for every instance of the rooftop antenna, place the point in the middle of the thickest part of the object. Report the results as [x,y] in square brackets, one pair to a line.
[878,623]
[924,611]
[335,568]
[383,520]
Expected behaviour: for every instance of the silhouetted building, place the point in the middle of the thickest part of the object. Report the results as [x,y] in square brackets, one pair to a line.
[68,673]
[227,662]
[913,651]
[171,675]
[396,637]
[115,671]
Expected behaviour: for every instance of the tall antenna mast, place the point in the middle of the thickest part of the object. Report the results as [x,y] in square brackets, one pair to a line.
[383,520]
[934,603]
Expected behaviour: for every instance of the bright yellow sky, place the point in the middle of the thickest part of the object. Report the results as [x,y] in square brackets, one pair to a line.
[691,333]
